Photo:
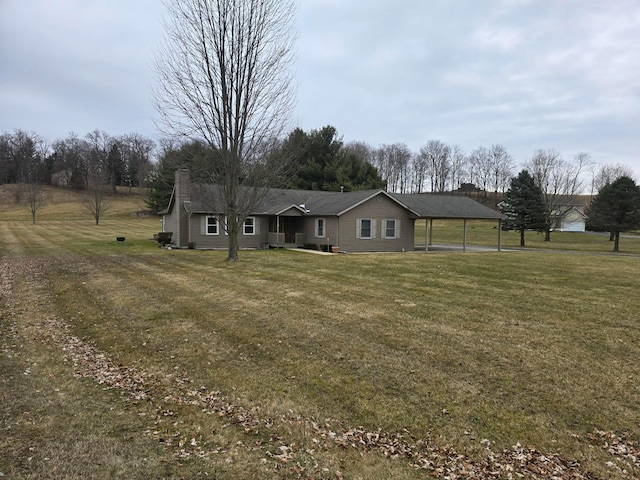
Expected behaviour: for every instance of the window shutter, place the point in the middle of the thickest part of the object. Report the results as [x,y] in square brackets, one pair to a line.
[397,228]
[358,227]
[256,225]
[373,228]
[203,224]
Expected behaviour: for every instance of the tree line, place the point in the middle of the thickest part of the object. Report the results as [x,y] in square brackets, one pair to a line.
[77,162]
[318,159]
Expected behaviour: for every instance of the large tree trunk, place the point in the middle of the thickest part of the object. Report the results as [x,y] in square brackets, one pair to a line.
[616,242]
[522,237]
[233,227]
[232,255]
[547,235]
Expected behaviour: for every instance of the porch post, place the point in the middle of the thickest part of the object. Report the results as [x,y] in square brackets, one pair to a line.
[426,235]
[464,237]
[431,231]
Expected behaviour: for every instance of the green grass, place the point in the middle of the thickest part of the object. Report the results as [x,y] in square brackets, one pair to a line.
[537,348]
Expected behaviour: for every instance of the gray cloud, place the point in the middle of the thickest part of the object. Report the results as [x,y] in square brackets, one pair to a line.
[527,74]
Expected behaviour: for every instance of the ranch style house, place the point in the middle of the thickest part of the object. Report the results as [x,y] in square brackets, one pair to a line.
[360,221]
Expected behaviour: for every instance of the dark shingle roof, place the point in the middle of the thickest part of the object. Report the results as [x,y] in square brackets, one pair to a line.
[446,206]
[315,202]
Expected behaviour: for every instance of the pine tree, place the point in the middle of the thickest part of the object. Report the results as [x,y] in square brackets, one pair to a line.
[523,205]
[616,209]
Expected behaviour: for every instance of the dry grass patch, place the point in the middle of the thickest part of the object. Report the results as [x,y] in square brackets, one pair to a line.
[67,204]
[541,349]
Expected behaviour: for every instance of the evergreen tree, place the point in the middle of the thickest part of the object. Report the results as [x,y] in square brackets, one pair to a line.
[523,205]
[195,156]
[324,164]
[616,209]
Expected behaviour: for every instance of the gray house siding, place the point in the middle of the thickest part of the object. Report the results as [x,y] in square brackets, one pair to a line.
[377,209]
[198,236]
[330,230]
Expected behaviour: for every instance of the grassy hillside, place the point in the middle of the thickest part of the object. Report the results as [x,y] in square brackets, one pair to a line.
[67,204]
[127,360]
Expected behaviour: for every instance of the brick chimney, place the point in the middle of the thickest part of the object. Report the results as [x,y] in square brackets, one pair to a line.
[182,195]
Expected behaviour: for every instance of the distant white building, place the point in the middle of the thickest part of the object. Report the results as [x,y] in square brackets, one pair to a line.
[569,215]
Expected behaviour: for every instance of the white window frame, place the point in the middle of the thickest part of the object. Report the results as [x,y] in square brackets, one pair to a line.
[372,228]
[321,228]
[207,225]
[385,228]
[252,225]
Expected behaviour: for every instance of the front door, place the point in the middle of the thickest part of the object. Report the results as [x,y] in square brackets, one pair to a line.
[288,225]
[289,228]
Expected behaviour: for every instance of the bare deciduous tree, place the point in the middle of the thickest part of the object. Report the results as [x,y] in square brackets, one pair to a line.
[393,163]
[36,197]
[438,158]
[419,173]
[501,168]
[362,150]
[609,173]
[559,181]
[480,169]
[136,158]
[96,198]
[458,167]
[224,79]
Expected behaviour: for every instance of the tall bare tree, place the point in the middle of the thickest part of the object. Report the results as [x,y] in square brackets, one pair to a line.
[459,165]
[96,197]
[559,181]
[136,153]
[393,163]
[224,79]
[501,168]
[480,169]
[609,173]
[34,173]
[362,150]
[438,158]
[419,173]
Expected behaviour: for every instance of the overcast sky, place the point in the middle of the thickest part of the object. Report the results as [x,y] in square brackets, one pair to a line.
[527,74]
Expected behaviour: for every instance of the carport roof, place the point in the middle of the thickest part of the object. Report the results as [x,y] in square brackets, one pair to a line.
[446,206]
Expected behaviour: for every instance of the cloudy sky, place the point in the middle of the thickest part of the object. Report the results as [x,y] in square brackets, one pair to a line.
[527,74]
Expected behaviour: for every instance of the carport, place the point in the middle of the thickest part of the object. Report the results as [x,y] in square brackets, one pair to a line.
[432,207]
